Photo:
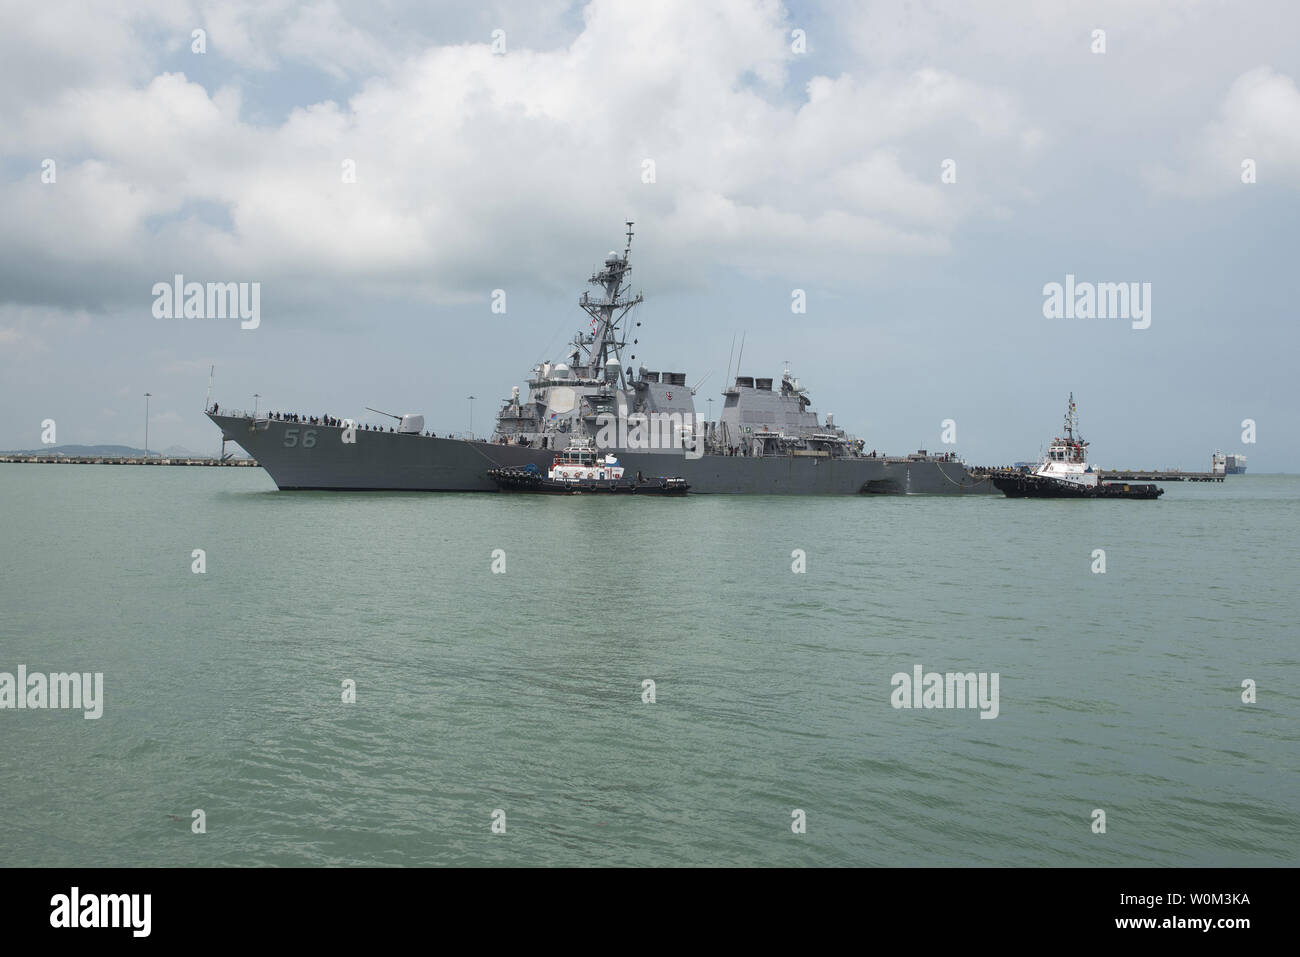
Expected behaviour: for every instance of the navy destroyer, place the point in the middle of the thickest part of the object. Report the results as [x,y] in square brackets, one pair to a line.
[767,438]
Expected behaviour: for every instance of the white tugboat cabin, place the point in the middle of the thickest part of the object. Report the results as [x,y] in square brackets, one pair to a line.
[1067,457]
[581,463]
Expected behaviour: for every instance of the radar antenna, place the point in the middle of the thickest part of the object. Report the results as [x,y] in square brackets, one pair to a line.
[604,345]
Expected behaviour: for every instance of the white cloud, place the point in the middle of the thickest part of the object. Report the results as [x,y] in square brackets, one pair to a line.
[320,35]
[1258,120]
[467,162]
[29,332]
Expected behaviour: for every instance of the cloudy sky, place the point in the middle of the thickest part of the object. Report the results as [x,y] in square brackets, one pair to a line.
[781,161]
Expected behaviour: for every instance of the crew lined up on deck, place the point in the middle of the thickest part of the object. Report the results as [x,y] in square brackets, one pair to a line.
[337,423]
[329,421]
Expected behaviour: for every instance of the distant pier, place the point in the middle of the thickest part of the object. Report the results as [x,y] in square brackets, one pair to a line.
[127,460]
[1149,475]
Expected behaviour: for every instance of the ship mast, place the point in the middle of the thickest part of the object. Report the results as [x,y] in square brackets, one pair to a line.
[607,311]
[1074,442]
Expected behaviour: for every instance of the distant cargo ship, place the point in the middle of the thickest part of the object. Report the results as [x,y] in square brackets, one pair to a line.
[1228,464]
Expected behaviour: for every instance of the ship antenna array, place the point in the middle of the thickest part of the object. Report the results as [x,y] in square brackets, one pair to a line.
[1071,419]
[607,313]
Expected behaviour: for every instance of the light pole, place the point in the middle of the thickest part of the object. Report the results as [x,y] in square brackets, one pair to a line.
[471,416]
[146,424]
[256,396]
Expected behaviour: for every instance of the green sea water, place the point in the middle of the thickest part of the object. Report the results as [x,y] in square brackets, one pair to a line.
[522,691]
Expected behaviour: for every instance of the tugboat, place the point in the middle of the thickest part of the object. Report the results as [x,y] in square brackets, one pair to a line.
[1064,472]
[579,469]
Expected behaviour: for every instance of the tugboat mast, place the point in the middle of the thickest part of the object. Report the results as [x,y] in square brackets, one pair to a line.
[1071,446]
[1071,420]
[607,311]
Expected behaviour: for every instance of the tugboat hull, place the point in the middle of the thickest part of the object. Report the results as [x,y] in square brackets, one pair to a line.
[1037,486]
[527,480]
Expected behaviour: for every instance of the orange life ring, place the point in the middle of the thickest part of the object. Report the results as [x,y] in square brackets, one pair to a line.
[589,475]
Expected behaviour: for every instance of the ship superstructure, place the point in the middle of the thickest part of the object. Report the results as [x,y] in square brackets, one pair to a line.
[591,391]
[592,396]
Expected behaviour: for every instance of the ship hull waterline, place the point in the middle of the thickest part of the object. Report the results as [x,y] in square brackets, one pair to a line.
[1035,486]
[395,461]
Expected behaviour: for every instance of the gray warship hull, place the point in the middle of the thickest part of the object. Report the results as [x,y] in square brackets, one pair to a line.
[299,457]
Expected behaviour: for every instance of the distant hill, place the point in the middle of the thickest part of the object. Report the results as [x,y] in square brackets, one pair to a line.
[123,450]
